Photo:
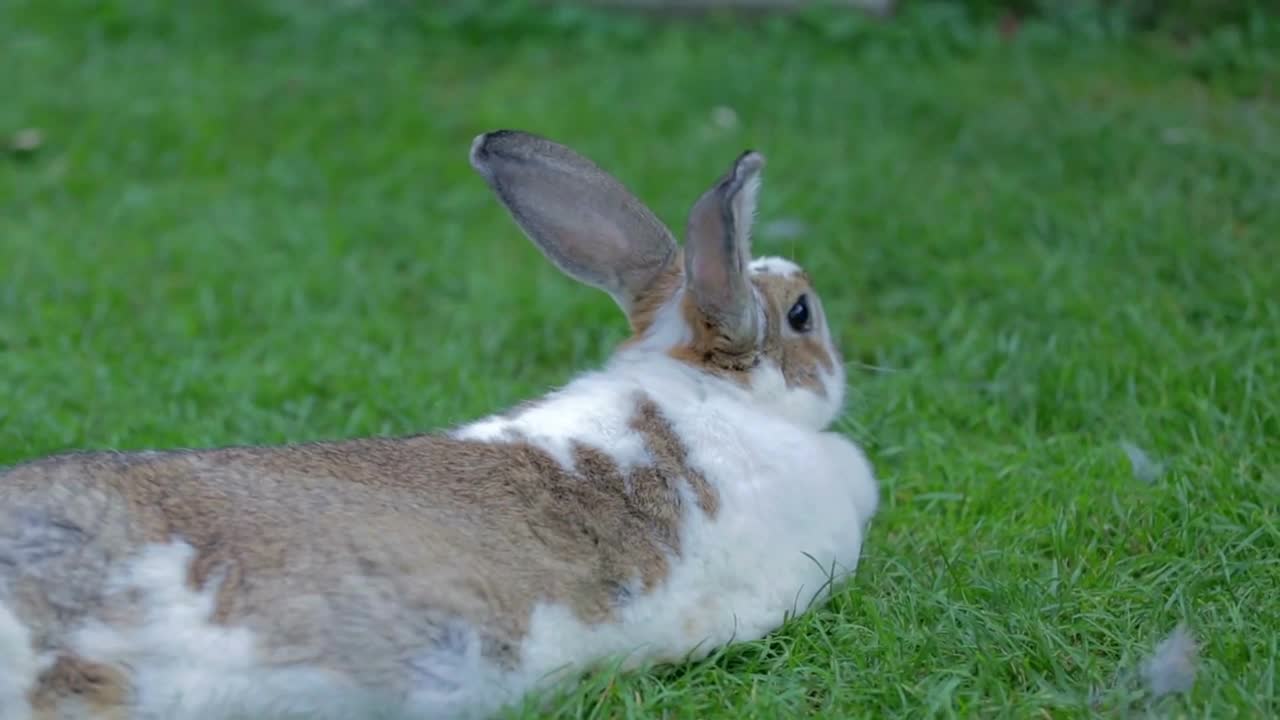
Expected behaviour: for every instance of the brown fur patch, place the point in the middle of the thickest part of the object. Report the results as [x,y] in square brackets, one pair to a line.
[711,348]
[362,555]
[670,455]
[101,690]
[645,307]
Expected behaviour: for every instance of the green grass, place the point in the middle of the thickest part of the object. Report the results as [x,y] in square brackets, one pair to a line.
[251,226]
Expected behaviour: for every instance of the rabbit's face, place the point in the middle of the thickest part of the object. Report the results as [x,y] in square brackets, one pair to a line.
[787,361]
[795,345]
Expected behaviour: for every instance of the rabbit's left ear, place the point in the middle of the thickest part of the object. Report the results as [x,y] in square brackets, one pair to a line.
[581,218]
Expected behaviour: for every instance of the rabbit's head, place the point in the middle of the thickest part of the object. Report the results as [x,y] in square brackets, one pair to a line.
[758,323]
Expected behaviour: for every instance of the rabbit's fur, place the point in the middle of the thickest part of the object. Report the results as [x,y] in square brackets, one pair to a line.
[682,497]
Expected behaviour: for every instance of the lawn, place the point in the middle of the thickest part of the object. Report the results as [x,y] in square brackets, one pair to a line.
[243,225]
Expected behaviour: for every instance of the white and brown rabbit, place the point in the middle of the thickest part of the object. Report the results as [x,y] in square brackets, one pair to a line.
[684,496]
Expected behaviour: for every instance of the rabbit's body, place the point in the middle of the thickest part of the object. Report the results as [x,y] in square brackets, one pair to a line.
[655,509]
[657,514]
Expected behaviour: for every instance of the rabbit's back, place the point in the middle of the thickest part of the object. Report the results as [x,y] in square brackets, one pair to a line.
[409,565]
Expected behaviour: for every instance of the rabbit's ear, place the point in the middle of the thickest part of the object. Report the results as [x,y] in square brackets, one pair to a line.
[581,218]
[718,252]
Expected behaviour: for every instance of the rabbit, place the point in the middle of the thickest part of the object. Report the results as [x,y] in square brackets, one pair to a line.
[684,496]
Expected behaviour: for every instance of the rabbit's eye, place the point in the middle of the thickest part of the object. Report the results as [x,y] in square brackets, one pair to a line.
[798,316]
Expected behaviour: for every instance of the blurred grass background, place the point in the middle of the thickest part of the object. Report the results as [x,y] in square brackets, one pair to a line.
[1042,229]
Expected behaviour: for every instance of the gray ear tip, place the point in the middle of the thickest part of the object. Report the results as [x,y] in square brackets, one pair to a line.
[484,145]
[746,169]
[479,154]
[750,162]
[745,174]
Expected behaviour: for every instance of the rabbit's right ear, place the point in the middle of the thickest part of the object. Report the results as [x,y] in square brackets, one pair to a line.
[581,218]
[718,251]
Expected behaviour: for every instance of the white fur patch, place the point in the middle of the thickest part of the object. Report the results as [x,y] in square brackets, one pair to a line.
[184,666]
[19,667]
[799,405]
[774,266]
[600,420]
[669,328]
[454,680]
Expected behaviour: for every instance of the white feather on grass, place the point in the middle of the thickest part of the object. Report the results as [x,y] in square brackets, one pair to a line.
[1144,468]
[1171,668]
